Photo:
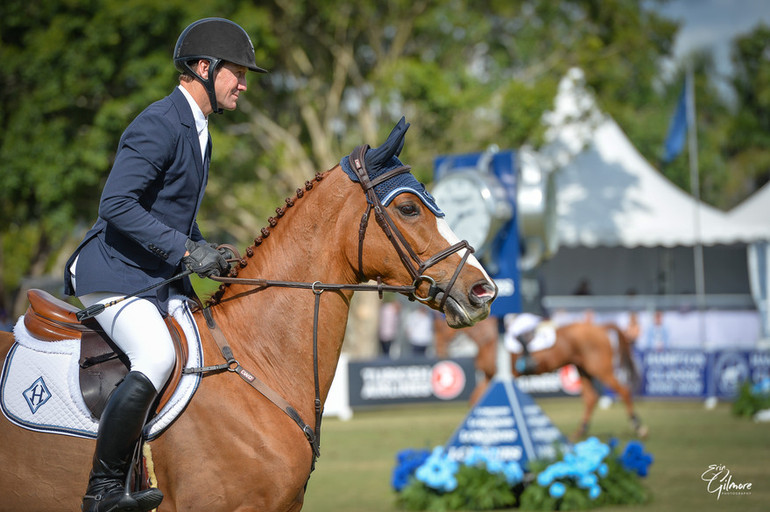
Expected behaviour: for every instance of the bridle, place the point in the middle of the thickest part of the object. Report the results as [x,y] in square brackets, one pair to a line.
[412,262]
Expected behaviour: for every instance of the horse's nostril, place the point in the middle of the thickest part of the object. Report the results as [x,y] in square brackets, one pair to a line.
[482,293]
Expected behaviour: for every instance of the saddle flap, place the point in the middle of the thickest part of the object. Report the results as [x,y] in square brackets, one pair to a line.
[102,367]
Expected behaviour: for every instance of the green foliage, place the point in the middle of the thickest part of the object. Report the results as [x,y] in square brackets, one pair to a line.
[477,489]
[466,74]
[619,486]
[751,399]
[747,145]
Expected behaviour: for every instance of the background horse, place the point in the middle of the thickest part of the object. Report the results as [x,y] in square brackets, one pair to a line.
[586,345]
[232,449]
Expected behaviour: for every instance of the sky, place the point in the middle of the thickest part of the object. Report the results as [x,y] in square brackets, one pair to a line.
[713,24]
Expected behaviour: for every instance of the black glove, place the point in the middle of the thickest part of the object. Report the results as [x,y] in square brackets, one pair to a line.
[205,260]
[224,251]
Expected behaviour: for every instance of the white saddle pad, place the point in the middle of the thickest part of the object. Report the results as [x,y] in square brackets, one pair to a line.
[40,389]
[545,337]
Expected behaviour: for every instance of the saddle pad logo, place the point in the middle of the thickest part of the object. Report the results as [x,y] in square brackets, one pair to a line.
[37,394]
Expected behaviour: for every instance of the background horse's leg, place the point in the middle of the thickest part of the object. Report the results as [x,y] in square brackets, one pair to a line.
[479,391]
[486,363]
[443,337]
[590,398]
[609,380]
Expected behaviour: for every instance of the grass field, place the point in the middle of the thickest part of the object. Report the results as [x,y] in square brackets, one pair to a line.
[353,473]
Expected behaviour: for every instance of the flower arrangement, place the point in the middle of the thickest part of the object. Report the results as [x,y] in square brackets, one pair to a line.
[434,481]
[589,475]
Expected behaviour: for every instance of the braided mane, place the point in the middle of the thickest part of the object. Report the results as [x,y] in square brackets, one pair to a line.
[216,297]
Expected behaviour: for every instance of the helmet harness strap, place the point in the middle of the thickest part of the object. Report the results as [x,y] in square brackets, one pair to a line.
[208,84]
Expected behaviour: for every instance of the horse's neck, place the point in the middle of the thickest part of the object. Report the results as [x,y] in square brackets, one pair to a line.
[272,328]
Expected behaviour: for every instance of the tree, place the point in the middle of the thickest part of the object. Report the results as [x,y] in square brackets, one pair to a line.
[466,74]
[747,145]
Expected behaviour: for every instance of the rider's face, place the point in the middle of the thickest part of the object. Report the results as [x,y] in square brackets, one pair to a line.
[229,83]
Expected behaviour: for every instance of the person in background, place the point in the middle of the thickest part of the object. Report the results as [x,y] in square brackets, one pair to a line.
[388,327]
[419,330]
[657,337]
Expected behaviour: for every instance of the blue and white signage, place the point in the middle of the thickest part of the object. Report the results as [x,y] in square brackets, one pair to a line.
[508,422]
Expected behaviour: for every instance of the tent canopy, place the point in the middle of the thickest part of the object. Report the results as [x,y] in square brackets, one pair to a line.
[609,195]
[755,209]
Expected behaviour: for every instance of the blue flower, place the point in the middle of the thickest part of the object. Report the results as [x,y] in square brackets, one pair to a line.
[602,470]
[476,456]
[587,481]
[545,477]
[407,462]
[495,465]
[438,471]
[513,473]
[557,490]
[635,459]
[594,492]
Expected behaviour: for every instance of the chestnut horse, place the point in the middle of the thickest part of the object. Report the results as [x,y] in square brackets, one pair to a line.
[232,449]
[586,345]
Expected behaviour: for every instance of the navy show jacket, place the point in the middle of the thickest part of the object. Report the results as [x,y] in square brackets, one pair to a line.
[148,207]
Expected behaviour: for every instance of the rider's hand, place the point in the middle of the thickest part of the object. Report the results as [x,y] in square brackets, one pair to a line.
[205,260]
[224,251]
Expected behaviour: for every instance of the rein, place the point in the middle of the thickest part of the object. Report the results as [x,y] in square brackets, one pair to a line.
[409,258]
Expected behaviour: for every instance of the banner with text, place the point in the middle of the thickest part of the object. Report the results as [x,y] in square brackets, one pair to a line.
[668,374]
[385,381]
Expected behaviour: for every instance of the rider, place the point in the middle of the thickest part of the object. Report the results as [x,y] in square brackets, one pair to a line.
[145,233]
[522,331]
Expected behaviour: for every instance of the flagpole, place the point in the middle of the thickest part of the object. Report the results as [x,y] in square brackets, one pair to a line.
[692,138]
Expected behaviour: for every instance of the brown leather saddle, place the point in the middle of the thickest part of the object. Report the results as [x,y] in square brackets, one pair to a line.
[102,364]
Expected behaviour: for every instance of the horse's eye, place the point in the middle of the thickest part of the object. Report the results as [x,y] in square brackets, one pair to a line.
[408,209]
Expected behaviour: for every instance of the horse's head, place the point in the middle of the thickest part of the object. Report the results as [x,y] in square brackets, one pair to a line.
[414,244]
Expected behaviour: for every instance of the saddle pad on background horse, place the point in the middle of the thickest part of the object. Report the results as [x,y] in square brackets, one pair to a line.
[543,337]
[40,389]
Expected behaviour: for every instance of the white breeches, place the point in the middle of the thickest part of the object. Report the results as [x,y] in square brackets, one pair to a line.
[138,329]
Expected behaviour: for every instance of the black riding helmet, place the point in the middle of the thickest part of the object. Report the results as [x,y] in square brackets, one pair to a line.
[215,40]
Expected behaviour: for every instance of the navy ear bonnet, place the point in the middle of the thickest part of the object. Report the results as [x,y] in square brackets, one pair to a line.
[385,158]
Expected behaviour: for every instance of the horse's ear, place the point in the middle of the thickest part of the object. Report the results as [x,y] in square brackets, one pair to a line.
[378,157]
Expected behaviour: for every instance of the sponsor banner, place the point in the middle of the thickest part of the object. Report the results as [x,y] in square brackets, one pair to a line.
[729,369]
[668,374]
[382,382]
[563,382]
[674,373]
[700,374]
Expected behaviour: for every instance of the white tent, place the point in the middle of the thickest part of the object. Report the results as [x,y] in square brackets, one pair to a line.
[633,237]
[609,195]
[754,210]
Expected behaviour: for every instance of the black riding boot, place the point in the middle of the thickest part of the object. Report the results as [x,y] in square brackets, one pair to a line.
[525,363]
[120,428]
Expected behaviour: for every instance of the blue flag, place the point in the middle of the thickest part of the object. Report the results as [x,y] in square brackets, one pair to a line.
[677,129]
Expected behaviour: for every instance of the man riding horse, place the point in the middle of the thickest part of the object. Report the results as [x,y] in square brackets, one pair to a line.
[146,233]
